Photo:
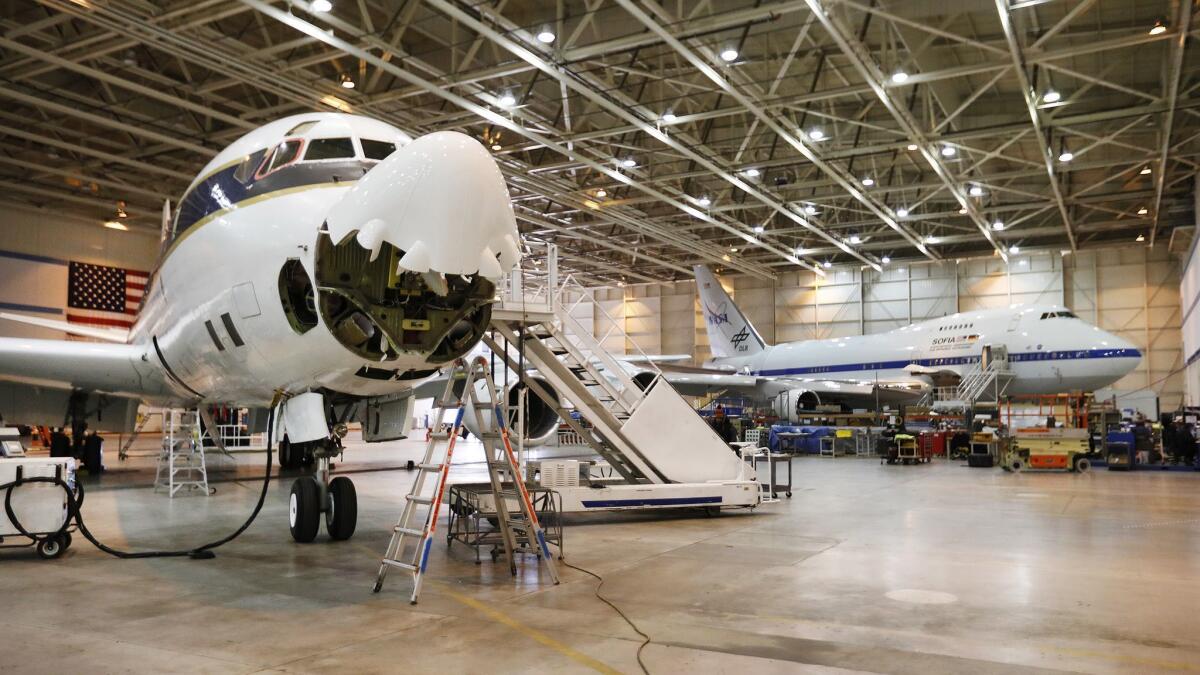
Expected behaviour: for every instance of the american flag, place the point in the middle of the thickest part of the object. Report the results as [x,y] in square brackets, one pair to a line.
[104,296]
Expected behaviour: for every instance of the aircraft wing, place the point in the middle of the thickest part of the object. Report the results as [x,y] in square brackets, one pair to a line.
[117,369]
[701,382]
[106,334]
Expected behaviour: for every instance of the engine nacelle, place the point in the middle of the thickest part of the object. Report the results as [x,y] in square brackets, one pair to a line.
[793,403]
[541,420]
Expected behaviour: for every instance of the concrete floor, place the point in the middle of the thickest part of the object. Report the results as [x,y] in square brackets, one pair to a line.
[869,568]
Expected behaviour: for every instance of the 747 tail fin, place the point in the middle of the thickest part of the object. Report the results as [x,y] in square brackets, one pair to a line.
[729,331]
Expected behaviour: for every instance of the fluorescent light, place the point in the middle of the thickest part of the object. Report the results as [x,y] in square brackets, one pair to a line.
[729,55]
[545,37]
[601,192]
[1158,28]
[975,191]
[901,213]
[949,151]
[1014,249]
[704,201]
[1143,211]
[759,229]
[753,173]
[733,249]
[885,260]
[998,225]
[826,264]
[507,100]
[1066,156]
[855,239]
[116,225]
[899,77]
[868,181]
[628,162]
[816,135]
[1145,171]
[669,117]
[912,146]
[320,6]
[1051,96]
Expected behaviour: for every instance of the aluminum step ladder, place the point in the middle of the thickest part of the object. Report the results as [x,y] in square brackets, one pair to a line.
[409,546]
[181,462]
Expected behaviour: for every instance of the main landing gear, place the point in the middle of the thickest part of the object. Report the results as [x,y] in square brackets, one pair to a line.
[315,495]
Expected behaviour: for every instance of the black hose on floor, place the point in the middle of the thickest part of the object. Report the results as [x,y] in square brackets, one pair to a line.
[75,513]
[645,638]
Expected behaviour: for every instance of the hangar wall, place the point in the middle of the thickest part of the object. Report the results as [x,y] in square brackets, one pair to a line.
[1189,292]
[35,246]
[1132,291]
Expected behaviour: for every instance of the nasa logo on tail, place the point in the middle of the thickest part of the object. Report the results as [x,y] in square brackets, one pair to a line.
[718,316]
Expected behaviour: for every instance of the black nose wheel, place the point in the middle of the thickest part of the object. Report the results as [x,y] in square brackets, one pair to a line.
[304,509]
[342,514]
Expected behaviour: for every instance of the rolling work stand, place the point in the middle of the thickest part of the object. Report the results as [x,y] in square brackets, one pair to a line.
[471,505]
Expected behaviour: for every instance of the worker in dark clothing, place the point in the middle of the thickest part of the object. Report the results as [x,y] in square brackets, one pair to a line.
[93,453]
[1170,440]
[722,425]
[60,443]
[1185,442]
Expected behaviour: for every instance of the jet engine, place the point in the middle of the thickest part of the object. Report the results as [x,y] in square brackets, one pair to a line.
[793,403]
[541,420]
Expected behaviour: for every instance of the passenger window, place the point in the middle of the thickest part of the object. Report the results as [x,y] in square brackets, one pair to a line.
[377,149]
[329,148]
[285,153]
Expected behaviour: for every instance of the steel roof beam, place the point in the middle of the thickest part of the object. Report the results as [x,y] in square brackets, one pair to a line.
[1179,44]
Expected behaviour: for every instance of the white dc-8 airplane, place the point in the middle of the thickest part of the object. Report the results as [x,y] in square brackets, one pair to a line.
[1050,350]
[326,260]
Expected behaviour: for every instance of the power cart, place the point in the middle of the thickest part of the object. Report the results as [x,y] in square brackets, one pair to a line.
[40,507]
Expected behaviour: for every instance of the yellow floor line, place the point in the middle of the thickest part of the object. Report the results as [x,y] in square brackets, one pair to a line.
[1122,658]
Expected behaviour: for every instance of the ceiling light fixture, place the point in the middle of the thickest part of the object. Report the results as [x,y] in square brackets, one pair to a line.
[729,55]
[546,36]
[1143,211]
[1141,237]
[1159,28]
[810,209]
[912,146]
[669,117]
[507,100]
[868,181]
[116,225]
[975,191]
[1066,156]
[949,151]
[899,77]
[347,81]
[931,239]
[1051,96]
[998,225]
[816,135]
[496,147]
[704,201]
[628,162]
[601,193]
[753,173]
[320,6]
[855,239]
[1014,249]
[962,211]
[1145,171]
[759,229]
[885,260]
[826,264]
[901,213]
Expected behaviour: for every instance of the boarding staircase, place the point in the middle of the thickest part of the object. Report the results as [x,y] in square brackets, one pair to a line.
[181,461]
[988,380]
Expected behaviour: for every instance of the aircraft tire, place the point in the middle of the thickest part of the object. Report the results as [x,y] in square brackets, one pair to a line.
[304,510]
[342,515]
[286,460]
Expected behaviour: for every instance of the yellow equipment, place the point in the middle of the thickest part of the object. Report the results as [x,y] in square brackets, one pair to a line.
[1044,449]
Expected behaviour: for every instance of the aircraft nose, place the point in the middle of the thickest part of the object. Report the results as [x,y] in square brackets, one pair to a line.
[441,200]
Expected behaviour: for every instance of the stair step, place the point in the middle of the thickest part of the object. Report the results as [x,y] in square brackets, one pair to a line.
[409,530]
[430,467]
[402,565]
[418,499]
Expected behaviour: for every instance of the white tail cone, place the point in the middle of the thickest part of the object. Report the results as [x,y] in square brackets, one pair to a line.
[442,200]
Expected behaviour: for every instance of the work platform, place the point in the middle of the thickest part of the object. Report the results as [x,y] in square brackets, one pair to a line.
[654,451]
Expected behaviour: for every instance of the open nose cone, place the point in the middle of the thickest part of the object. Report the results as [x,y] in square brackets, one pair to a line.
[441,200]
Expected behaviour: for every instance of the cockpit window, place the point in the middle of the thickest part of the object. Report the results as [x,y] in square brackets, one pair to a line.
[245,170]
[1058,315]
[329,148]
[285,153]
[301,128]
[377,149]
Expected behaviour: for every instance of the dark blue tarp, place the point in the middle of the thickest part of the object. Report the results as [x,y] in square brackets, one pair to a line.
[810,443]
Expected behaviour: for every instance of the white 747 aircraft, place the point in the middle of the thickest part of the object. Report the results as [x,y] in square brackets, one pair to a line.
[324,261]
[1049,349]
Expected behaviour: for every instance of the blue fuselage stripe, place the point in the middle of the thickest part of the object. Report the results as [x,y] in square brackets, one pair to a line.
[663,501]
[1067,355]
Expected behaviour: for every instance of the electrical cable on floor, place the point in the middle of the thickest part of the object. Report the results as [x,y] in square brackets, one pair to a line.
[75,504]
[645,637]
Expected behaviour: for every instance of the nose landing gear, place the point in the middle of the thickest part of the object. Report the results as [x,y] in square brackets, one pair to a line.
[317,494]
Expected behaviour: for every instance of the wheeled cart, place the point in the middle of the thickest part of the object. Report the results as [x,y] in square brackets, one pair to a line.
[471,504]
[40,507]
[771,480]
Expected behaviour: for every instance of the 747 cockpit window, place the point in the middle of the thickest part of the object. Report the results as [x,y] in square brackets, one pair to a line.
[377,149]
[285,153]
[329,148]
